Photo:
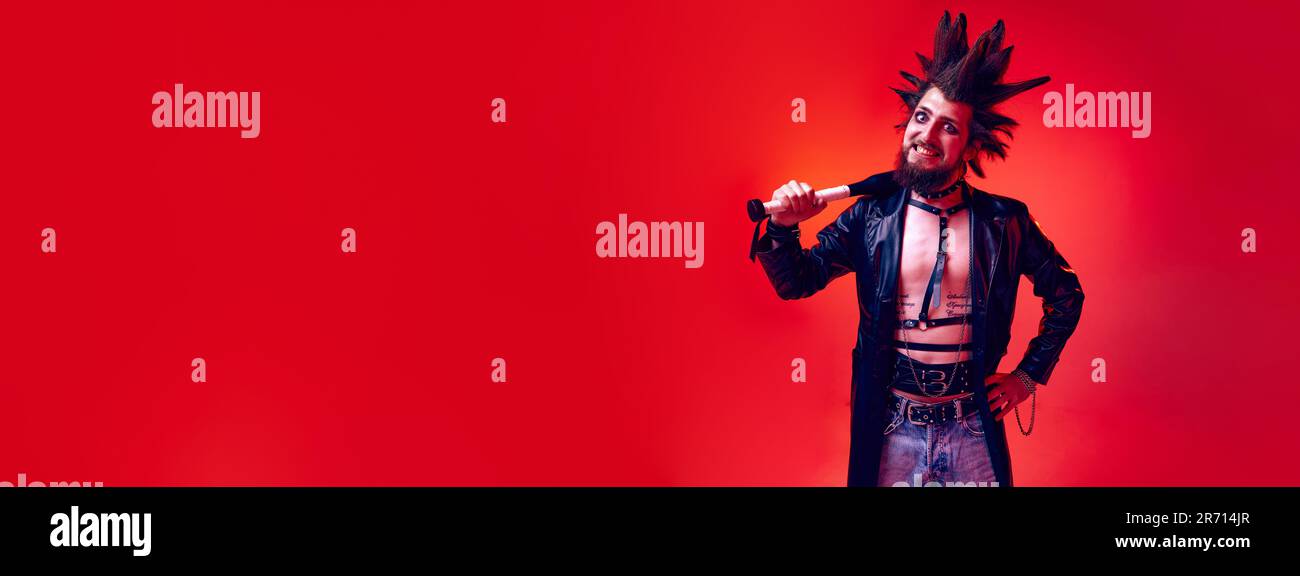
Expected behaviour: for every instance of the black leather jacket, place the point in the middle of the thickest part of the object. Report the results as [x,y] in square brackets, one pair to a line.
[867,239]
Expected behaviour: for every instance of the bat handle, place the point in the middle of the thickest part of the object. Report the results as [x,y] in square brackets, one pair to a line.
[759,209]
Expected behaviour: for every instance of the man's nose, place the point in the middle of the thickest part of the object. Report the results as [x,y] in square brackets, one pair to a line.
[930,132]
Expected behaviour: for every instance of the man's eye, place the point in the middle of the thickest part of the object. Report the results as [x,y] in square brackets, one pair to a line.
[920,116]
[951,129]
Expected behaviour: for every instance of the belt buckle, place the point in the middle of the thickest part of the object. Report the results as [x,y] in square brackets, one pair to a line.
[913,419]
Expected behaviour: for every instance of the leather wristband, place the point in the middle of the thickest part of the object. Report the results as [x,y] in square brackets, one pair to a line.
[780,232]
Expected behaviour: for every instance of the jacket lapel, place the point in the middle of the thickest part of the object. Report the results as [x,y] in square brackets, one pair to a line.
[887,245]
[988,231]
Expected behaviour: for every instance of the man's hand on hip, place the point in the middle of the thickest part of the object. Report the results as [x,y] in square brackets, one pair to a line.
[1005,392]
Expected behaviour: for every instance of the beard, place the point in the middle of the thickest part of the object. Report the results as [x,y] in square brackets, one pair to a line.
[908,175]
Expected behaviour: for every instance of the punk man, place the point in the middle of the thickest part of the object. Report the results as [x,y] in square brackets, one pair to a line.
[937,264]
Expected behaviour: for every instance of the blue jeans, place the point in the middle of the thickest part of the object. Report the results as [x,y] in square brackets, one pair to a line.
[949,454]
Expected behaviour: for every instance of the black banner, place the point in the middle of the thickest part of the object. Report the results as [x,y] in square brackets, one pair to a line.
[571,526]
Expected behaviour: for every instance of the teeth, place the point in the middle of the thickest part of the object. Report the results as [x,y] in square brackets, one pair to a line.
[923,151]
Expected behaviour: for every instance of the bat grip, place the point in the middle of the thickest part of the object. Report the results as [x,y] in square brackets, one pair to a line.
[758,210]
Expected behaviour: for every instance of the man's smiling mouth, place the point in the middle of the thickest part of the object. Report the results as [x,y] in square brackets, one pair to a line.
[925,151]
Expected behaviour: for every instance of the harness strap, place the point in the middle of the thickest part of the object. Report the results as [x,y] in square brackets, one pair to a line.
[933,290]
[945,321]
[924,347]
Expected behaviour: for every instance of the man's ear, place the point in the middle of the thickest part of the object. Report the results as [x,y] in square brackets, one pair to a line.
[970,153]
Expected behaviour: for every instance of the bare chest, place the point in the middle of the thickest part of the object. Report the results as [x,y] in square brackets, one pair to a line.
[921,244]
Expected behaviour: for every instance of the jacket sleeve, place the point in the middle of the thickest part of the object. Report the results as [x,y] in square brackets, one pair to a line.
[796,272]
[1058,287]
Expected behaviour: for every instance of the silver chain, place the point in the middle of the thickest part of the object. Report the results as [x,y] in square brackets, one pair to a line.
[956,359]
[1033,409]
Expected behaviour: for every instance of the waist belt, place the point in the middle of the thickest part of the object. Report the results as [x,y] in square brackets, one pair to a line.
[924,379]
[926,414]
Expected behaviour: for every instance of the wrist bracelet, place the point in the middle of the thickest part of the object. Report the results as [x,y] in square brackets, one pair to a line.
[1024,378]
[1033,406]
[781,232]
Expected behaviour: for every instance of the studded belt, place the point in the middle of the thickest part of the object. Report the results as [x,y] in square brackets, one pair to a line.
[926,414]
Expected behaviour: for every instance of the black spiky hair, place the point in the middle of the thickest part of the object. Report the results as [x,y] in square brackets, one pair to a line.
[971,75]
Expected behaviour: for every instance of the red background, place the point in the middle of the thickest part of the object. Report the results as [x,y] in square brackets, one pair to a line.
[476,240]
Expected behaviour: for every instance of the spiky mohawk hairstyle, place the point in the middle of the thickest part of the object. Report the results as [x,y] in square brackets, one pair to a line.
[971,75]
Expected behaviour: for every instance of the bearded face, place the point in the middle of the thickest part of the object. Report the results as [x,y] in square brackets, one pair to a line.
[934,148]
